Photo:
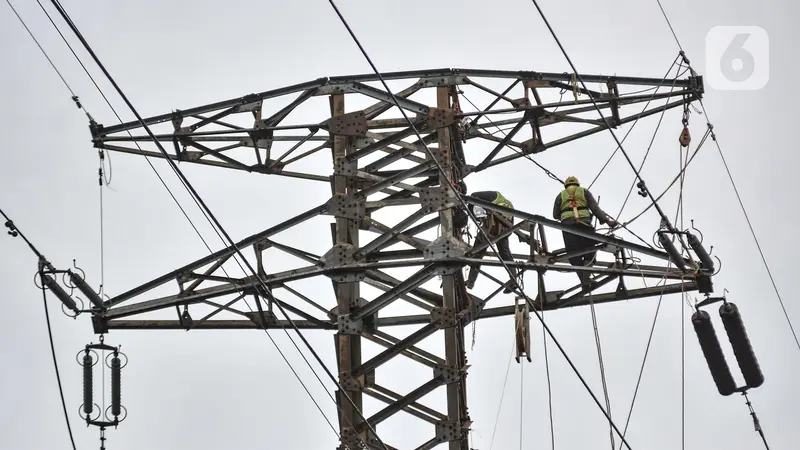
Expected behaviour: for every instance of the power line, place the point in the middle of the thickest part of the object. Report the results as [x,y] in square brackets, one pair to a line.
[69,21]
[647,153]
[211,217]
[523,154]
[664,13]
[460,199]
[614,153]
[664,217]
[736,191]
[709,132]
[755,239]
[40,48]
[14,231]
[55,363]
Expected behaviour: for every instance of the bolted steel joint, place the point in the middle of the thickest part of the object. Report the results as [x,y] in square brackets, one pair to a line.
[444,317]
[349,326]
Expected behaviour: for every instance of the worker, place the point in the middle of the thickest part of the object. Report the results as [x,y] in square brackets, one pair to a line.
[576,206]
[494,224]
[460,216]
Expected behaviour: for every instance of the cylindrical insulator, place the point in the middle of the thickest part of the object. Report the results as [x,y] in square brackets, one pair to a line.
[701,252]
[116,395]
[59,292]
[87,384]
[712,351]
[745,356]
[673,252]
[87,290]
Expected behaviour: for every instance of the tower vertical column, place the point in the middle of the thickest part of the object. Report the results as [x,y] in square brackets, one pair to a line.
[455,355]
[345,234]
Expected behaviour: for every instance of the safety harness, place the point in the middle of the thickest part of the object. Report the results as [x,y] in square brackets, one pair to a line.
[570,204]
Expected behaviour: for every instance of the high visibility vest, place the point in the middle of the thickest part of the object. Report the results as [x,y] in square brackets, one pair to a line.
[574,198]
[499,200]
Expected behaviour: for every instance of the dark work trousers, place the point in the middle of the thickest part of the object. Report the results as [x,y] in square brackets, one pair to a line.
[574,242]
[502,248]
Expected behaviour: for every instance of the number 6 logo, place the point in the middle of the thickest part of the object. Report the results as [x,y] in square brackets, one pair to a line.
[737,58]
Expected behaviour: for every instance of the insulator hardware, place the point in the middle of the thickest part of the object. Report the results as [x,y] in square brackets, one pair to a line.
[685,138]
[114,360]
[116,394]
[87,384]
[701,252]
[642,188]
[87,290]
[712,351]
[59,292]
[12,230]
[742,349]
[671,250]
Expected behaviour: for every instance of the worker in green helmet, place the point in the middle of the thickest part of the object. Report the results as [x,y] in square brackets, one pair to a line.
[493,224]
[576,206]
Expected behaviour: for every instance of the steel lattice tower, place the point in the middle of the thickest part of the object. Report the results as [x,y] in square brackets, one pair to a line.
[379,165]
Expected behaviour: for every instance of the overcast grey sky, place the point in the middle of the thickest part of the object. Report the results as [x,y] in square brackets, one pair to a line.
[210,390]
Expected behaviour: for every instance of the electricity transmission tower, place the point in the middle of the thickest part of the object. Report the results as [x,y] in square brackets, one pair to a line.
[391,209]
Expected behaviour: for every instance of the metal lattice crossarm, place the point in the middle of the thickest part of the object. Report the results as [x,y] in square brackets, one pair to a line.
[395,259]
[205,134]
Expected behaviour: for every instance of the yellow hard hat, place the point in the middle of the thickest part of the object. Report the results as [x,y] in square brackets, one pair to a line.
[571,181]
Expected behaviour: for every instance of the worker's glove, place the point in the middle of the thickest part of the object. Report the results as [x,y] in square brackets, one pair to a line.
[611,222]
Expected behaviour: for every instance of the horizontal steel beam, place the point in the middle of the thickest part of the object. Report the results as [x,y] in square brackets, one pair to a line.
[691,82]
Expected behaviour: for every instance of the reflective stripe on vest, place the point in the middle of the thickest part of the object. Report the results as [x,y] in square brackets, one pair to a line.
[499,200]
[574,197]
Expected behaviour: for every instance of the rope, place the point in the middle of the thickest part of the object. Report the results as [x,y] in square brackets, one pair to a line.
[549,388]
[602,365]
[683,303]
[502,394]
[102,226]
[644,359]
[521,402]
[650,340]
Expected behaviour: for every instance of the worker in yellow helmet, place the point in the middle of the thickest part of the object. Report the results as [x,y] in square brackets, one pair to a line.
[493,224]
[576,206]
